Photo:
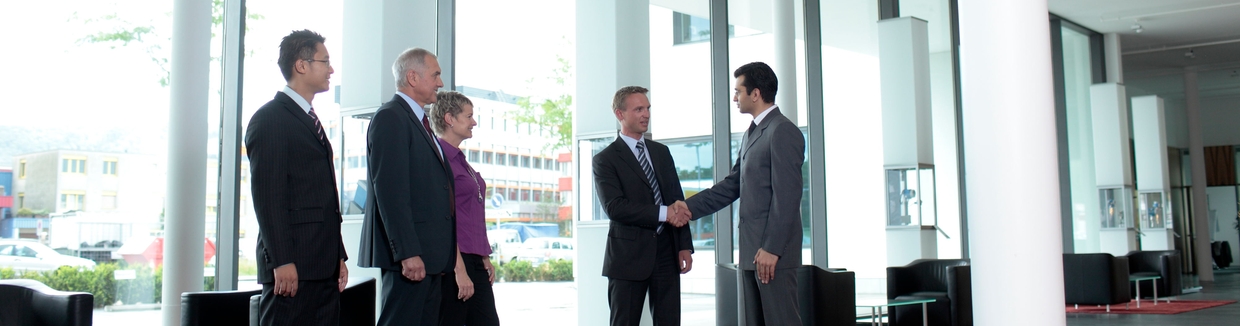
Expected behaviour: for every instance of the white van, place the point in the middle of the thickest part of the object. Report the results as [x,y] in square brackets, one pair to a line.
[505,243]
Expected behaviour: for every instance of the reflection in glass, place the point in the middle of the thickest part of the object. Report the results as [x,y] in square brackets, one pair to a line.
[910,196]
[1153,210]
[1114,203]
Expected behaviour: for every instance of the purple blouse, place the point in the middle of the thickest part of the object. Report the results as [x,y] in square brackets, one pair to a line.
[471,224]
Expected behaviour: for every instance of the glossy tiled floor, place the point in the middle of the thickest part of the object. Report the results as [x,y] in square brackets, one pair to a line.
[1225,287]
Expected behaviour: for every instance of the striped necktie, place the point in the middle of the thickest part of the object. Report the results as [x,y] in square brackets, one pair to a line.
[654,182]
[318,127]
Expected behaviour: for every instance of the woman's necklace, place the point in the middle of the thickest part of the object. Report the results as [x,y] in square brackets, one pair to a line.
[474,175]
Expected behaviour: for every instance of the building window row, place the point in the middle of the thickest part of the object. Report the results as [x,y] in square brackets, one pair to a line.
[75,165]
[514,160]
[74,200]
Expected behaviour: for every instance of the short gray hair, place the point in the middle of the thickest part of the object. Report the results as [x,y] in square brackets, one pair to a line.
[411,59]
[448,102]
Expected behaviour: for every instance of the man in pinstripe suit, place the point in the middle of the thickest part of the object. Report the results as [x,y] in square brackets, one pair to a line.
[300,254]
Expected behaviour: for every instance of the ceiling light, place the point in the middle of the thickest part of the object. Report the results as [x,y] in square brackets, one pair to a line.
[1190,54]
[1137,28]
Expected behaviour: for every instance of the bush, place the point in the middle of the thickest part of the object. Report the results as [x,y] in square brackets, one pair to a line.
[519,271]
[523,271]
[146,287]
[559,270]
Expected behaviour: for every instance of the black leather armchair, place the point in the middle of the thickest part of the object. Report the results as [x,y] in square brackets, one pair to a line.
[216,307]
[827,297]
[30,302]
[357,303]
[1095,279]
[948,281]
[1163,263]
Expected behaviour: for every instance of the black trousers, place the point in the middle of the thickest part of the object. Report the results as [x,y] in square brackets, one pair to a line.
[316,303]
[479,310]
[406,302]
[625,296]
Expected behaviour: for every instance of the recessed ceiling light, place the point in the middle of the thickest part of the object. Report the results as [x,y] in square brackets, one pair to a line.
[1137,28]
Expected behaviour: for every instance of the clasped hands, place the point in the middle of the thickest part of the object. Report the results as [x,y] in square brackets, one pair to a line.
[678,214]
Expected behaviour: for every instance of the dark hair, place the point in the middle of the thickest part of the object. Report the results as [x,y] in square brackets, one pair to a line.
[617,103]
[758,75]
[298,45]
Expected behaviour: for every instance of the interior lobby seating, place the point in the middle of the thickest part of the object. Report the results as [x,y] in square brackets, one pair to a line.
[1095,279]
[1162,263]
[827,296]
[31,303]
[947,281]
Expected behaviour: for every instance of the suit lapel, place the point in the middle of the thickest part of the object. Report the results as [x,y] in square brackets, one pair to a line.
[417,126]
[626,155]
[761,129]
[302,117]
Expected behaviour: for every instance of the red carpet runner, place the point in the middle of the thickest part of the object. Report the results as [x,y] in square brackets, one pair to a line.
[1148,307]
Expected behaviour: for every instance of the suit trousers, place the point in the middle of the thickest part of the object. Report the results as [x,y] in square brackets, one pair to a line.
[774,303]
[406,302]
[626,296]
[316,303]
[479,310]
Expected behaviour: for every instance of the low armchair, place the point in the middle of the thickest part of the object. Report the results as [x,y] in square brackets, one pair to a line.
[948,281]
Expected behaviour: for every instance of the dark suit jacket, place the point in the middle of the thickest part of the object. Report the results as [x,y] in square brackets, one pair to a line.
[625,195]
[293,182]
[409,209]
[767,175]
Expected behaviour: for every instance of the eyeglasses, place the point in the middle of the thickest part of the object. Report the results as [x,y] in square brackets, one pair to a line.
[328,61]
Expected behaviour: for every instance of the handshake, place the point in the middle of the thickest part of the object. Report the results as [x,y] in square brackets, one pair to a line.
[678,214]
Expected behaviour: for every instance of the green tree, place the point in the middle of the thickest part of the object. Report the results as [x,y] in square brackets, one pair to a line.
[116,30]
[554,112]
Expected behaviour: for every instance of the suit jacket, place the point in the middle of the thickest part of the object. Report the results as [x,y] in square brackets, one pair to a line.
[767,179]
[293,182]
[409,209]
[625,195]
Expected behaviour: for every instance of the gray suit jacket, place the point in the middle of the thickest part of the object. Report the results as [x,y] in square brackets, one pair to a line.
[767,180]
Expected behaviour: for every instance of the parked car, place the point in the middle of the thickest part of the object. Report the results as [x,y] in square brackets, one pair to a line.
[538,250]
[505,244]
[32,255]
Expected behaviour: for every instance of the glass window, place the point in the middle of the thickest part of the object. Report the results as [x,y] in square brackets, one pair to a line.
[525,161]
[488,157]
[538,163]
[501,159]
[513,160]
[21,169]
[1087,198]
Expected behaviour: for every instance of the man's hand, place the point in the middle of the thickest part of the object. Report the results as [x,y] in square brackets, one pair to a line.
[765,262]
[686,261]
[286,280]
[344,275]
[678,214]
[413,269]
[465,287]
[490,269]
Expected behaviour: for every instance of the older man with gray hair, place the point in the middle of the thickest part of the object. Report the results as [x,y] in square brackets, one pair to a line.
[409,218]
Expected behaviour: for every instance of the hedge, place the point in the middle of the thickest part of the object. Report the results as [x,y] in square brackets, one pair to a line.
[523,271]
[146,287]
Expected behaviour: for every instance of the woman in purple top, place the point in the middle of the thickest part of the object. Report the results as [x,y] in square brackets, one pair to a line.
[469,300]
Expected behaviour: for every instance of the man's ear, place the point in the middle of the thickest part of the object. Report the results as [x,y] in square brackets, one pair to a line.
[756,94]
[301,66]
[411,77]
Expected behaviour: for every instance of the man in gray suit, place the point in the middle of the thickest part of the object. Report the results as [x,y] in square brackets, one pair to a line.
[767,180]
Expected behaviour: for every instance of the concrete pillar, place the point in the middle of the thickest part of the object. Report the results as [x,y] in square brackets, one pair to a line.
[1149,131]
[1114,57]
[613,51]
[1197,154]
[1011,158]
[785,64]
[184,223]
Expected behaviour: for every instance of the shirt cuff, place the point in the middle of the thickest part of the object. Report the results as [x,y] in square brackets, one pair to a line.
[662,213]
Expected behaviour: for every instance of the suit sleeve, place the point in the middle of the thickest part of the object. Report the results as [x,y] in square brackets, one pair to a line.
[390,159]
[717,197]
[787,157]
[618,207]
[269,163]
[673,193]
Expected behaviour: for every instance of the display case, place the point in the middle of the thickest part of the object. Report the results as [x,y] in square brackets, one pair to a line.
[910,196]
[1116,204]
[1154,212]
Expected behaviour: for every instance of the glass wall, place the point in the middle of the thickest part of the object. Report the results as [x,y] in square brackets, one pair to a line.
[1085,196]
[86,127]
[521,80]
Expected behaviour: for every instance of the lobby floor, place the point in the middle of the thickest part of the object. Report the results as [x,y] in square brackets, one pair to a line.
[1226,286]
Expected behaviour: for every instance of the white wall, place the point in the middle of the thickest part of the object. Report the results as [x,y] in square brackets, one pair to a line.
[1222,203]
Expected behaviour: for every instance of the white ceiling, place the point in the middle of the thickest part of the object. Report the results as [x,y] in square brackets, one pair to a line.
[1156,58]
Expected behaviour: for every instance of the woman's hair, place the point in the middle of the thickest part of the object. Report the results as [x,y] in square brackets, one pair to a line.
[447,102]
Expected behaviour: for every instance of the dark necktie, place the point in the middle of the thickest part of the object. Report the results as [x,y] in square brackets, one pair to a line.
[318,129]
[654,182]
[427,123]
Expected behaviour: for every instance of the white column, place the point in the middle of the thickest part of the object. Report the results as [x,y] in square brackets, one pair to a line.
[187,154]
[1113,168]
[1149,131]
[785,64]
[1197,154]
[1113,54]
[613,51]
[1011,163]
